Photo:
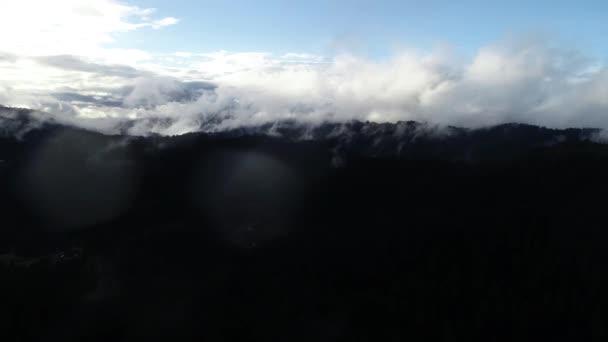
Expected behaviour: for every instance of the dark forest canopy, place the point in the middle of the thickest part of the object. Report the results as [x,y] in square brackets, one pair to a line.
[355,231]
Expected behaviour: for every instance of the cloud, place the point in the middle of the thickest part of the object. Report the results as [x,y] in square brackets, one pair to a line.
[302,57]
[98,101]
[150,92]
[59,27]
[52,48]
[164,22]
[7,58]
[73,63]
[532,82]
[529,82]
[183,54]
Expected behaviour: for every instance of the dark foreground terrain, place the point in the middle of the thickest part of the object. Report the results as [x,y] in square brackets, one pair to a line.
[354,232]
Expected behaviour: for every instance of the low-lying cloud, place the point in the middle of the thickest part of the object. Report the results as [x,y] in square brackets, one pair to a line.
[531,83]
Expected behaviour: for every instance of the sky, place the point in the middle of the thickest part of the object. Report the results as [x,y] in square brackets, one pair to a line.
[171,67]
[374,27]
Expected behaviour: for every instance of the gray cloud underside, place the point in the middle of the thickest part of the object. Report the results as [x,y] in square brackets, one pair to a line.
[7,58]
[90,100]
[73,63]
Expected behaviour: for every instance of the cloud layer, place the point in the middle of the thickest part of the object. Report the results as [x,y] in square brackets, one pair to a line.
[93,85]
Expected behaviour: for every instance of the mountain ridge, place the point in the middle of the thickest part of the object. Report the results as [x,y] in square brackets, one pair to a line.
[402,139]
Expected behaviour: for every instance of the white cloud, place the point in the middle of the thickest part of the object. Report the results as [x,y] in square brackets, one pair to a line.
[164,22]
[530,83]
[73,27]
[183,54]
[50,46]
[302,57]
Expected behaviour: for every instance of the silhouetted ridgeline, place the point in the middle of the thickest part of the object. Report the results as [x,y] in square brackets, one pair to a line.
[355,231]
